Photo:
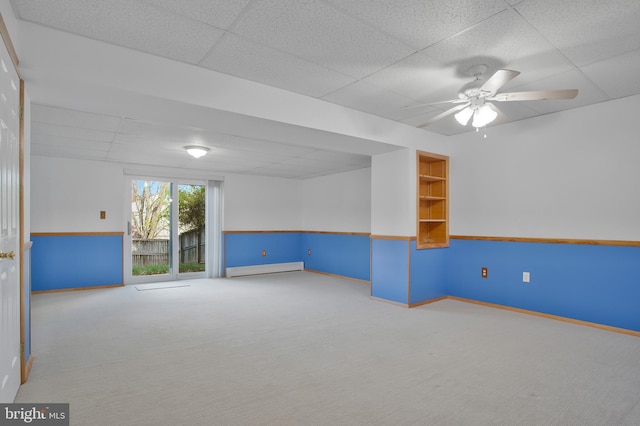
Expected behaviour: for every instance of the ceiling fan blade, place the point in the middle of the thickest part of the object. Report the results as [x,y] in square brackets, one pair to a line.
[502,117]
[444,114]
[498,79]
[539,95]
[450,101]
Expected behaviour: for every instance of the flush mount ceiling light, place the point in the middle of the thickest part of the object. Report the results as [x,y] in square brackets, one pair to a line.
[197,151]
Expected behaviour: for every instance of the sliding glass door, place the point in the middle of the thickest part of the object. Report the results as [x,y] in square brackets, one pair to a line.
[166,230]
[192,214]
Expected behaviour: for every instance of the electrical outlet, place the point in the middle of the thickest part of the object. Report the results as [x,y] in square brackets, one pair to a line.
[309,252]
[485,272]
[264,252]
[526,277]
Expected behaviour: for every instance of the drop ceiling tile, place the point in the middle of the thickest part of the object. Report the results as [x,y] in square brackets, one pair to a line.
[625,83]
[420,78]
[71,132]
[219,13]
[363,96]
[67,151]
[420,23]
[306,163]
[222,155]
[319,33]
[503,41]
[339,157]
[588,93]
[125,23]
[273,172]
[243,58]
[588,30]
[136,131]
[71,118]
[415,114]
[68,143]
[149,143]
[266,147]
[127,153]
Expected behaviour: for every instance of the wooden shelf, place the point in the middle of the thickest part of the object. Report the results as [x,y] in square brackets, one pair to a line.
[432,178]
[432,210]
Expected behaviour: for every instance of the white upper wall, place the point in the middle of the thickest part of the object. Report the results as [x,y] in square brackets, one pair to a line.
[393,196]
[256,203]
[337,203]
[572,174]
[68,195]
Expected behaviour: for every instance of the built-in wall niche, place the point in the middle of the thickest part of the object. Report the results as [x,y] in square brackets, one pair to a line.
[432,216]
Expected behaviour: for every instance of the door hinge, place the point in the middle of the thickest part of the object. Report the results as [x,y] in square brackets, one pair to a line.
[22,349]
[21,113]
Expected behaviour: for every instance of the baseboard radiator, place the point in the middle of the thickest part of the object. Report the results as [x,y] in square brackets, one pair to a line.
[270,268]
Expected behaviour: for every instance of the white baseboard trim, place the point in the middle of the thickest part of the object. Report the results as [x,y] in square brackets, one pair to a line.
[238,271]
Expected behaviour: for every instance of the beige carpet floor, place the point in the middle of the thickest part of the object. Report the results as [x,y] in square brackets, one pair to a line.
[307,349]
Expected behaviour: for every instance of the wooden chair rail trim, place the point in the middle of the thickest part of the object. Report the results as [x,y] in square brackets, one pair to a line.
[622,243]
[276,231]
[64,290]
[548,316]
[75,234]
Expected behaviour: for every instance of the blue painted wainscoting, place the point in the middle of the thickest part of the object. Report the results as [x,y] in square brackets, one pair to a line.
[592,283]
[390,269]
[343,254]
[244,248]
[405,275]
[62,261]
[336,253]
[428,274]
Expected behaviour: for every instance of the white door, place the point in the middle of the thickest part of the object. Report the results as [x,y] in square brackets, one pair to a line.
[9,230]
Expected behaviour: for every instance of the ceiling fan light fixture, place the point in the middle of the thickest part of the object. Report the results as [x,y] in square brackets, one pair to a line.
[483,116]
[463,116]
[197,151]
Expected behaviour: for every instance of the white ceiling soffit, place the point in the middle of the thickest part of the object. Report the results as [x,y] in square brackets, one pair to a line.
[374,56]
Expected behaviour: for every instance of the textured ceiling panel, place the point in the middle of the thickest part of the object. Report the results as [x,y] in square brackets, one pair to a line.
[626,82]
[243,58]
[573,79]
[375,56]
[219,13]
[267,147]
[126,23]
[318,33]
[420,78]
[72,118]
[71,132]
[68,152]
[586,30]
[160,131]
[66,142]
[366,97]
[503,41]
[338,157]
[420,23]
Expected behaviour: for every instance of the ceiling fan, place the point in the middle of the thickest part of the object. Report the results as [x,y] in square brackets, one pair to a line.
[473,98]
